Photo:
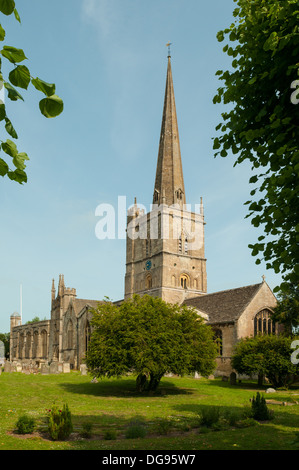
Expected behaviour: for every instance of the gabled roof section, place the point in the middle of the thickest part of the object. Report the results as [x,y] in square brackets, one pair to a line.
[79,304]
[224,306]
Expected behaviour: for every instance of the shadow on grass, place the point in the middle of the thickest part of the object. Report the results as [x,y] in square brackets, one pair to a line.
[123,389]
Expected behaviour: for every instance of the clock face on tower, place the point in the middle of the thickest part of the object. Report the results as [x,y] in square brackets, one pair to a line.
[148,265]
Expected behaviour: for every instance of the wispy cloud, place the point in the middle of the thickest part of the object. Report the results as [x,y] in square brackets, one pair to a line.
[102,14]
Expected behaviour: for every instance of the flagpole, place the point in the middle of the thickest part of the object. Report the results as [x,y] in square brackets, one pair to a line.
[21,303]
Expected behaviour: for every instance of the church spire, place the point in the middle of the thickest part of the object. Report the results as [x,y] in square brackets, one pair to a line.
[169,184]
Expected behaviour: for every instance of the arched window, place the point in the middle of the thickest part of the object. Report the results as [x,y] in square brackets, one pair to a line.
[87,334]
[263,323]
[149,282]
[28,345]
[21,345]
[44,338]
[183,244]
[218,340]
[35,344]
[179,194]
[69,334]
[184,281]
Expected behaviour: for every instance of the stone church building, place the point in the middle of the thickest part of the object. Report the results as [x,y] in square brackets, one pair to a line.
[165,257]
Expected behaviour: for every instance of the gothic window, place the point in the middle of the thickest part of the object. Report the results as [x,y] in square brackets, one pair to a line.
[179,194]
[183,244]
[87,334]
[184,281]
[263,323]
[149,282]
[156,196]
[147,247]
[28,345]
[70,334]
[21,345]
[218,340]
[186,245]
[35,344]
[44,339]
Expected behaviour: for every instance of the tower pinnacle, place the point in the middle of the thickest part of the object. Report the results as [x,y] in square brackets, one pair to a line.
[169,183]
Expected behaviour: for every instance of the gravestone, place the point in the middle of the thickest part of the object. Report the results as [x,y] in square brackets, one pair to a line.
[54,367]
[7,367]
[2,353]
[233,378]
[66,367]
[83,369]
[44,369]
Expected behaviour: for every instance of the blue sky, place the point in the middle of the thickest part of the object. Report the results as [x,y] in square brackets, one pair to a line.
[108,60]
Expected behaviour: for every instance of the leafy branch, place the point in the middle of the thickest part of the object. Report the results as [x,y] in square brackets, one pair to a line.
[50,106]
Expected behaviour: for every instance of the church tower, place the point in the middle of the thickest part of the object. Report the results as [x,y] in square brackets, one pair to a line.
[165,247]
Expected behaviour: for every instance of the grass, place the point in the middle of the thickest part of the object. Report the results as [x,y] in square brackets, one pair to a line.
[171,416]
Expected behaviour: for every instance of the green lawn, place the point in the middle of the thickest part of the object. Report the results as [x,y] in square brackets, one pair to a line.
[111,404]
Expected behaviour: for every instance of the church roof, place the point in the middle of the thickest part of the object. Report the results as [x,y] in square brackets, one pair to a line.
[79,304]
[224,306]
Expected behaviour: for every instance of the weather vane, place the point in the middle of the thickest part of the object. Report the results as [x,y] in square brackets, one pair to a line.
[168,45]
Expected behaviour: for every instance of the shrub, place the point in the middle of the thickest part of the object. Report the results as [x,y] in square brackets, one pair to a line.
[86,430]
[232,416]
[260,411]
[60,423]
[209,415]
[162,426]
[25,424]
[135,429]
[110,435]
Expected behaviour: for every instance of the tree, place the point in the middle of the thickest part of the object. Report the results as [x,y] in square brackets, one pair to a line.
[287,310]
[149,337]
[13,163]
[262,125]
[5,337]
[267,355]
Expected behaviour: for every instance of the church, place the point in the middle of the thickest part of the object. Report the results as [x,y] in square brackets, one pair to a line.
[165,257]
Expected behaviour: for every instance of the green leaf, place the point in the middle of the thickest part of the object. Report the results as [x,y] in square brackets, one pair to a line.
[10,148]
[3,167]
[10,129]
[51,106]
[7,6]
[13,94]
[2,112]
[220,36]
[19,160]
[20,76]
[18,175]
[17,16]
[2,33]
[47,88]
[13,54]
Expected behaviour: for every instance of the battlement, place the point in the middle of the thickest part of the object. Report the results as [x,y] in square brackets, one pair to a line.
[69,291]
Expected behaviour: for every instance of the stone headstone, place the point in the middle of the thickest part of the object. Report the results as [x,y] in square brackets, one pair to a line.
[44,369]
[54,368]
[66,367]
[7,367]
[83,369]
[233,378]
[270,390]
